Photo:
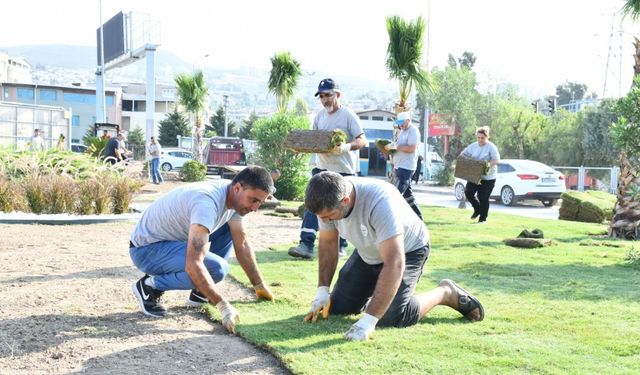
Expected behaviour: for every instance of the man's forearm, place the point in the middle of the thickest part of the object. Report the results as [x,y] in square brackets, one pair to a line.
[203,281]
[327,264]
[386,288]
[247,260]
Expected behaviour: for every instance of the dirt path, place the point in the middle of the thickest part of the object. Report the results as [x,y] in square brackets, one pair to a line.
[66,307]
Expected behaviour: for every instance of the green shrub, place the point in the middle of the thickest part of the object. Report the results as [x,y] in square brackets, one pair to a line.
[34,192]
[632,258]
[61,194]
[192,171]
[271,153]
[11,198]
[444,177]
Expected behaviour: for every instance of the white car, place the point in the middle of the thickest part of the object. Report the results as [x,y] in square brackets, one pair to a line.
[174,158]
[522,180]
[78,147]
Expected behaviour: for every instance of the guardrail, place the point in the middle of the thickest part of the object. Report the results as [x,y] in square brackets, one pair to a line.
[583,174]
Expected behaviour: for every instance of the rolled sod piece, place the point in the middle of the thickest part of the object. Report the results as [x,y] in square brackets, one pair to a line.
[314,141]
[470,169]
[380,143]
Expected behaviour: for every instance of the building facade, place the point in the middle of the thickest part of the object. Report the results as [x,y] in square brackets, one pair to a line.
[79,101]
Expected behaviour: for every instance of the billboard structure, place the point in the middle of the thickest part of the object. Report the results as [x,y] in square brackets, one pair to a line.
[122,40]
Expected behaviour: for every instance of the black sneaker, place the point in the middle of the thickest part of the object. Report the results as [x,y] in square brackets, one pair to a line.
[149,298]
[196,299]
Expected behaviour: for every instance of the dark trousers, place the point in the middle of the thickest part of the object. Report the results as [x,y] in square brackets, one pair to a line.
[310,222]
[357,281]
[481,203]
[403,183]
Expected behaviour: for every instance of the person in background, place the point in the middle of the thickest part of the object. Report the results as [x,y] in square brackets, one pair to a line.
[392,248]
[155,151]
[112,150]
[122,146]
[486,151]
[340,159]
[37,143]
[105,135]
[406,158]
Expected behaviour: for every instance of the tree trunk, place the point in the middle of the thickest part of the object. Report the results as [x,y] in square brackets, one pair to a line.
[626,219]
[196,147]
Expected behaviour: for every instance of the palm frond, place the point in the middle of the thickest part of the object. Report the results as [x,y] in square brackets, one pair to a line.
[283,78]
[631,8]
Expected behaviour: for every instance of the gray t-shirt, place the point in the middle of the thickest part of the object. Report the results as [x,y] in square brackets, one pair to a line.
[347,121]
[407,160]
[170,216]
[487,153]
[379,213]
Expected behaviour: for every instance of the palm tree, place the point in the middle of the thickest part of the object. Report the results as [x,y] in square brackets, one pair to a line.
[192,93]
[404,58]
[626,132]
[283,80]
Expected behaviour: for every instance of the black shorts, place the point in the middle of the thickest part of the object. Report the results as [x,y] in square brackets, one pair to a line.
[357,281]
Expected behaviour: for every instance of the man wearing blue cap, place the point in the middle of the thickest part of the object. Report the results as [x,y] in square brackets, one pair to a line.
[406,158]
[340,160]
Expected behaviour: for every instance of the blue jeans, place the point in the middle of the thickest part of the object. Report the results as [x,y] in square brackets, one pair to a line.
[403,184]
[155,171]
[166,260]
[310,222]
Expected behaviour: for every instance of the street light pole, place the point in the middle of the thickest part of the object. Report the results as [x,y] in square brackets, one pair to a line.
[226,123]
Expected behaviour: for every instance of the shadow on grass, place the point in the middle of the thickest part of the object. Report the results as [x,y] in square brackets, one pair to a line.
[555,282]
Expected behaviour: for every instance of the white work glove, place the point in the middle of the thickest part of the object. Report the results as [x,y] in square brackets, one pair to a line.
[320,304]
[229,314]
[345,147]
[361,329]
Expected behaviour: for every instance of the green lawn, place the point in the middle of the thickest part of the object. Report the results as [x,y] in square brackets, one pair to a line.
[570,308]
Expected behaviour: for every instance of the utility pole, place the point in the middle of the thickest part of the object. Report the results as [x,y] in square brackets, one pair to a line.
[226,123]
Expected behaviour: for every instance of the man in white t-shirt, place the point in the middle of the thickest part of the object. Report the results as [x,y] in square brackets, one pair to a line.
[37,143]
[340,160]
[392,245]
[183,239]
[406,158]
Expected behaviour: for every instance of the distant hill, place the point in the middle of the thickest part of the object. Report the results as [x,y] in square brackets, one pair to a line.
[75,57]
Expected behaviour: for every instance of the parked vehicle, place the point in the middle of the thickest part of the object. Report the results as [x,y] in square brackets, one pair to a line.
[78,147]
[174,158]
[522,180]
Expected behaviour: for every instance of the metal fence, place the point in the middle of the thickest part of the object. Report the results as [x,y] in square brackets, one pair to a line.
[590,178]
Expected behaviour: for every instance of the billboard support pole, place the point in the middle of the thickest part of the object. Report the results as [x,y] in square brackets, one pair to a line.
[151,90]
[100,102]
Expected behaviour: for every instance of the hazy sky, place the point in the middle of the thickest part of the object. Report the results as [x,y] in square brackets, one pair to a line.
[535,44]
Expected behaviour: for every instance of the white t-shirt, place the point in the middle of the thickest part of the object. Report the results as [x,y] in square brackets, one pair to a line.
[379,213]
[347,121]
[170,216]
[487,153]
[407,160]
[155,148]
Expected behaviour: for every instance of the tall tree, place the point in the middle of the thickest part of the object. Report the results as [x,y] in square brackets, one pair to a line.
[626,132]
[192,94]
[245,129]
[283,79]
[570,91]
[174,124]
[404,58]
[217,123]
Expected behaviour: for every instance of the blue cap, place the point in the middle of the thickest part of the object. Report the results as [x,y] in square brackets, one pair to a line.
[326,85]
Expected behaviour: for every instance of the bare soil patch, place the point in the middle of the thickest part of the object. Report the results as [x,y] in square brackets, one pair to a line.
[66,305]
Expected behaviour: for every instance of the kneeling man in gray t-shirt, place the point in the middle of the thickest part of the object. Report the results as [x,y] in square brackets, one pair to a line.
[392,249]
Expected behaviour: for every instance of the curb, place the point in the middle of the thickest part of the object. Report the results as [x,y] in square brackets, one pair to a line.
[53,219]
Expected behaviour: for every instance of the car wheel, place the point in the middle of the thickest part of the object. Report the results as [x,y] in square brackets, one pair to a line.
[166,167]
[507,196]
[459,191]
[549,202]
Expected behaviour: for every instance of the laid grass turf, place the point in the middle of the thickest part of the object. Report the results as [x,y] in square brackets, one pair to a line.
[569,308]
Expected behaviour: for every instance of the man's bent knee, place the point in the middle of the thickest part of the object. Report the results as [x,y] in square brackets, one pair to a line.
[401,316]
[218,268]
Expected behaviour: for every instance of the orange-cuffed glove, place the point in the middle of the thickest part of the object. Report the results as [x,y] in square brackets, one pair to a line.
[262,292]
[320,305]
